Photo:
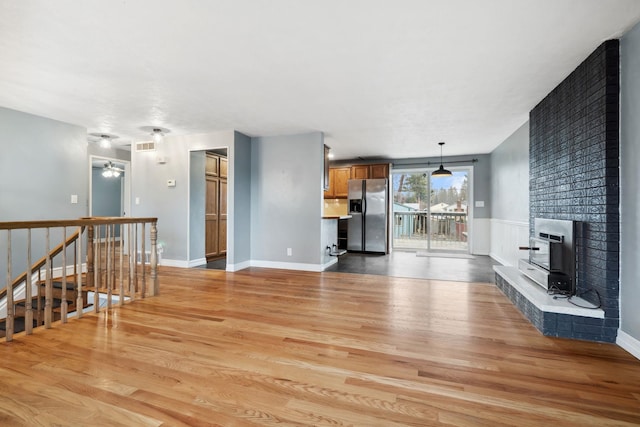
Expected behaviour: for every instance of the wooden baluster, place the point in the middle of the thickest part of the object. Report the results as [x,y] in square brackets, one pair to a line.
[79,300]
[98,272]
[121,261]
[63,291]
[48,290]
[109,264]
[39,310]
[132,262]
[143,260]
[10,307]
[28,290]
[135,263]
[155,286]
[91,254]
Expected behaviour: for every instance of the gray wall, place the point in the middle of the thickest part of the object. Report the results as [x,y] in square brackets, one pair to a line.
[171,204]
[286,198]
[239,187]
[42,163]
[510,177]
[197,197]
[110,190]
[481,176]
[629,179]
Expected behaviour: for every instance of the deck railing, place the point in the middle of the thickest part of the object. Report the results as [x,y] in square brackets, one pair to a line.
[441,228]
[109,264]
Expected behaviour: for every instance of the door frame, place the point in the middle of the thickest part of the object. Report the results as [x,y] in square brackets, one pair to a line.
[199,261]
[126,183]
[470,196]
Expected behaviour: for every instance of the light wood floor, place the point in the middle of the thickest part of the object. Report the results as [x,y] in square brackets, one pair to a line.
[270,347]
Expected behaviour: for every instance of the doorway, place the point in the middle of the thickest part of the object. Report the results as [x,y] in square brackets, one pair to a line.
[109,186]
[431,214]
[208,201]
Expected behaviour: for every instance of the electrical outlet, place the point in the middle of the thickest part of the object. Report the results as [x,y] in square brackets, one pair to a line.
[289,252]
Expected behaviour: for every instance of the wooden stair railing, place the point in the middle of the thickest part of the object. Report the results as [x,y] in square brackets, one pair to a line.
[101,278]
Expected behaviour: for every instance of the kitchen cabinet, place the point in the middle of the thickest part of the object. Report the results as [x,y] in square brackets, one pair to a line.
[380,170]
[338,183]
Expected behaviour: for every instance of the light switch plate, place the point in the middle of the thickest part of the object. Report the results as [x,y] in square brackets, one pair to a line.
[74,198]
[479,204]
[171,183]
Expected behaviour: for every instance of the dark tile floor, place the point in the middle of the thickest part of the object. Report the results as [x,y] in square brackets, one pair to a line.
[218,264]
[477,268]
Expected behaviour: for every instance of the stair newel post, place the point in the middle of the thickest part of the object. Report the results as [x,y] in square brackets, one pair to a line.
[28,290]
[109,264]
[132,262]
[121,279]
[143,260]
[48,287]
[63,291]
[10,307]
[91,254]
[79,301]
[155,288]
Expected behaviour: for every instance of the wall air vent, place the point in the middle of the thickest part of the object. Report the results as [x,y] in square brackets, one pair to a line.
[146,146]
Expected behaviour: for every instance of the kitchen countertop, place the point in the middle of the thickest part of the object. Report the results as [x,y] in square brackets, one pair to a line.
[336,216]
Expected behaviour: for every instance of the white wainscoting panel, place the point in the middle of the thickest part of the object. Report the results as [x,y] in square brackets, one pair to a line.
[506,237]
[480,236]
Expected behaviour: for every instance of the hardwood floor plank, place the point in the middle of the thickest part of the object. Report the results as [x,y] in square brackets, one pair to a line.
[276,347]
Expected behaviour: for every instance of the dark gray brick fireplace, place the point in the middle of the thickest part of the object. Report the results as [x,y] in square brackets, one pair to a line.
[574,175]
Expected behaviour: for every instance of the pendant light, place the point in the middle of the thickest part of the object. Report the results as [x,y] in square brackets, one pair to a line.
[441,171]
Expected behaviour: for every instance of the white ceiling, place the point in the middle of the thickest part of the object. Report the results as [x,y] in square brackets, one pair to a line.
[381,78]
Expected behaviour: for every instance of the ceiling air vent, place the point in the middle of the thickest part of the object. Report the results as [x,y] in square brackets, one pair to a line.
[146,146]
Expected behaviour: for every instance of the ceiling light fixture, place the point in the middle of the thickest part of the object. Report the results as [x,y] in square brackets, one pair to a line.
[441,171]
[110,170]
[157,133]
[103,139]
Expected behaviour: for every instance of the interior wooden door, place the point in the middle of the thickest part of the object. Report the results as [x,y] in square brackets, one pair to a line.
[212,219]
[222,218]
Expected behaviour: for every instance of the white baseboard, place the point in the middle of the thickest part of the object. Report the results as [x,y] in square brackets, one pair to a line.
[332,261]
[174,263]
[239,266]
[628,343]
[287,265]
[197,262]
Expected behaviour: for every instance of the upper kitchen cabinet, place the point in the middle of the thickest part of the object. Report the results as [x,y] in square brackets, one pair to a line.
[338,183]
[370,171]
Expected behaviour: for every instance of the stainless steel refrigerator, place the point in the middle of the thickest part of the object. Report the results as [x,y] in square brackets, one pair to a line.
[368,210]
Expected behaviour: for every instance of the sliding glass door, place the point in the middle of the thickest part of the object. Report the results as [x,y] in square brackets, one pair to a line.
[431,213]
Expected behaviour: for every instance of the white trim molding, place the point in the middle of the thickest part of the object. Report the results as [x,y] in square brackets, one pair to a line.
[174,263]
[288,265]
[197,262]
[628,343]
[239,266]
